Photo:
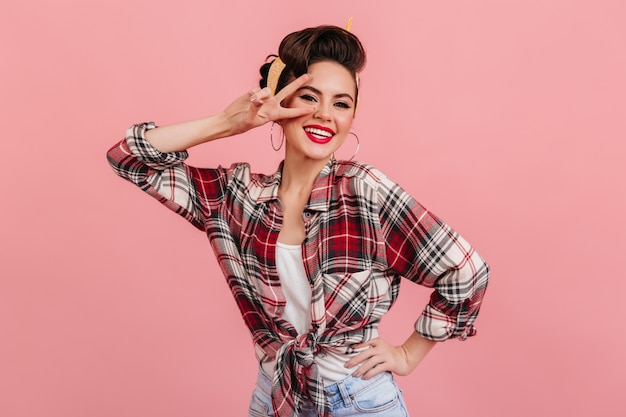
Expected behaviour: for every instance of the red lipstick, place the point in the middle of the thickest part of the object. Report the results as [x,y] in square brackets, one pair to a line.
[319,134]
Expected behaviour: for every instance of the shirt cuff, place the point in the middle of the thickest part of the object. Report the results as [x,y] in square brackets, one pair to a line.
[148,154]
[434,325]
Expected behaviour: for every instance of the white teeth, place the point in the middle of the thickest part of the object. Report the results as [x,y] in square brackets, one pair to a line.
[318,132]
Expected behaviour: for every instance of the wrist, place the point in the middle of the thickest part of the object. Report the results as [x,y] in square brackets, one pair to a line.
[415,348]
[220,126]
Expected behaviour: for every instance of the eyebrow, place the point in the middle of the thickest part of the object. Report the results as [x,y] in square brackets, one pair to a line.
[318,92]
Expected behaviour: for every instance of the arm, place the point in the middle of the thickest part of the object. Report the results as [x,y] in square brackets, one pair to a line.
[153,157]
[251,110]
[164,176]
[382,357]
[425,250]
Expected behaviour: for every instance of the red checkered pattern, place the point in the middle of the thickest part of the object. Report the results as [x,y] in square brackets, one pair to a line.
[363,233]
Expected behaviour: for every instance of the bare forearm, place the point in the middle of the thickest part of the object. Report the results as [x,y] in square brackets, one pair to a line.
[252,109]
[416,348]
[184,135]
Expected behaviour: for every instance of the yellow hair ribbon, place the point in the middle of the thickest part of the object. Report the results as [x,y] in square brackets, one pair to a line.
[349,25]
[273,75]
[356,74]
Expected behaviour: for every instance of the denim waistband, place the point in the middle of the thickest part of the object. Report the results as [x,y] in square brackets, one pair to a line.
[341,391]
[346,389]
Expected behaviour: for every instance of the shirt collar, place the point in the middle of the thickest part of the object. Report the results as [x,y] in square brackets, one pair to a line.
[320,194]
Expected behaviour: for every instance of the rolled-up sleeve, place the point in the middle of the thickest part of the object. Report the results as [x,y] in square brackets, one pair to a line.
[162,175]
[425,250]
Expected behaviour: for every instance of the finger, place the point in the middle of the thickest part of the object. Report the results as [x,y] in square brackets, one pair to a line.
[365,366]
[290,88]
[369,368]
[365,354]
[372,372]
[261,94]
[369,343]
[251,93]
[290,113]
[362,357]
[355,360]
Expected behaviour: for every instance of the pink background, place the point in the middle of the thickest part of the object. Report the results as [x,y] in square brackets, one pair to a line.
[506,118]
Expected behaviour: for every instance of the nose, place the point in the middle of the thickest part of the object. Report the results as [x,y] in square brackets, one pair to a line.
[322,112]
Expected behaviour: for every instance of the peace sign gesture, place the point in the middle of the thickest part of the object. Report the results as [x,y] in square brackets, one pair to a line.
[253,109]
[258,106]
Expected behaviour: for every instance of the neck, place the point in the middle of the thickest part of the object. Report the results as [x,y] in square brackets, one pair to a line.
[299,175]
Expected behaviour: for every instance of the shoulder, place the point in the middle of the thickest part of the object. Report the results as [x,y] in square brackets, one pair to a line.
[360,172]
[367,180]
[238,174]
[242,171]
[245,184]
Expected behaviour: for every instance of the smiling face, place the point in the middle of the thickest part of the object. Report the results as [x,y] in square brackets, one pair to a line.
[331,90]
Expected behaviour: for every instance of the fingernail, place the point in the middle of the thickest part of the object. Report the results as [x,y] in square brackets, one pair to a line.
[253,98]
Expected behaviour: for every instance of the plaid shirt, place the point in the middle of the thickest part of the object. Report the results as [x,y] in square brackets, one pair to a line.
[363,233]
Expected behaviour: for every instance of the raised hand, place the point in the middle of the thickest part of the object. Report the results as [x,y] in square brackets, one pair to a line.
[252,109]
[258,107]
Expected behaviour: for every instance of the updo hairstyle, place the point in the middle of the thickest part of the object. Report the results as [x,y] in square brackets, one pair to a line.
[299,50]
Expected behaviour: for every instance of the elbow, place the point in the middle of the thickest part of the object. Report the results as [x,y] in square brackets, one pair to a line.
[115,156]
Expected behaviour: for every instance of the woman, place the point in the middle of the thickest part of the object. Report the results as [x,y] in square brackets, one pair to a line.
[313,253]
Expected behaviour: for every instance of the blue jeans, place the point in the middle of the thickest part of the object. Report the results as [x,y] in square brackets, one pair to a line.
[378,396]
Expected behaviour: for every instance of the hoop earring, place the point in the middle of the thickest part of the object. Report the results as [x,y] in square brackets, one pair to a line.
[282,138]
[358,145]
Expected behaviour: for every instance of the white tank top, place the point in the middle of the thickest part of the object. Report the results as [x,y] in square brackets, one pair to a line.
[295,286]
[297,290]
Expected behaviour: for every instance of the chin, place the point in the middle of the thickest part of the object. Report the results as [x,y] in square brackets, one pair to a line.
[318,157]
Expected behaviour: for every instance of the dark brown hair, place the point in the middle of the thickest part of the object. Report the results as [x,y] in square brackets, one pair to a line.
[300,49]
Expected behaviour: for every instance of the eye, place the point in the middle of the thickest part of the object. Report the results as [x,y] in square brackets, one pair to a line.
[308,97]
[343,105]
